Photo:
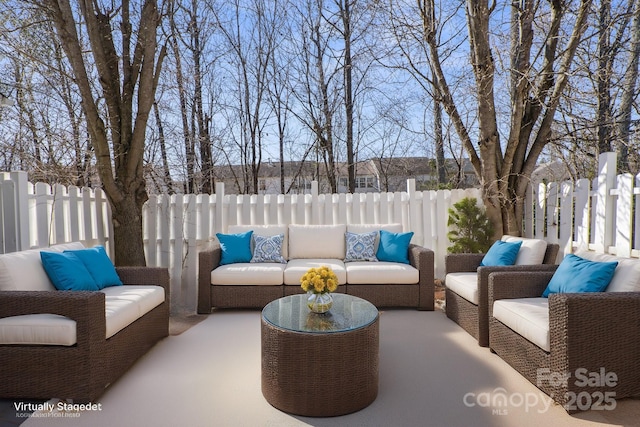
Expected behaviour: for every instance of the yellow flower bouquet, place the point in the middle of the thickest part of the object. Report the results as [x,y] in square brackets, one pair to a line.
[319,280]
[319,283]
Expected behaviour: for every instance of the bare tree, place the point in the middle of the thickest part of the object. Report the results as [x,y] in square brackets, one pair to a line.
[128,78]
[536,89]
[629,91]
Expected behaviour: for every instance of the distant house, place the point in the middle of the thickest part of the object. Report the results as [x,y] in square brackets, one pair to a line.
[393,173]
[372,175]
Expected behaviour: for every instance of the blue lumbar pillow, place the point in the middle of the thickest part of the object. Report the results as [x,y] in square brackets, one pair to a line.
[394,247]
[501,253]
[99,266]
[67,272]
[576,274]
[235,247]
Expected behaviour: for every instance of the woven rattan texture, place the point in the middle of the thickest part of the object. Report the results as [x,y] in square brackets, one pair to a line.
[83,371]
[320,375]
[592,335]
[475,318]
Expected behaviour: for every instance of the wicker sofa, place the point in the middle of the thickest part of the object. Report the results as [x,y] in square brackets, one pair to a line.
[467,283]
[582,349]
[73,344]
[253,285]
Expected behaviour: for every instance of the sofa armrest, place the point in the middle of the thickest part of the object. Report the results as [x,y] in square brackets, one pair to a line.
[595,331]
[462,263]
[208,260]
[422,259]
[517,284]
[158,276]
[85,307]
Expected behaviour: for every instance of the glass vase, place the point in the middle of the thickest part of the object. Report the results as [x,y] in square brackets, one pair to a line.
[319,303]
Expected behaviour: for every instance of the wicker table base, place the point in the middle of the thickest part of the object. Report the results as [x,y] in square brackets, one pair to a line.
[320,374]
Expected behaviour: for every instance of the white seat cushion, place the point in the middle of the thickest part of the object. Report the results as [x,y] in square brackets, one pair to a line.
[529,317]
[531,251]
[123,306]
[38,329]
[317,241]
[126,304]
[365,272]
[626,277]
[463,284]
[265,230]
[297,267]
[248,274]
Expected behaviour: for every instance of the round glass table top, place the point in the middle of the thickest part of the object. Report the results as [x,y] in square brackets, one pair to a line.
[346,314]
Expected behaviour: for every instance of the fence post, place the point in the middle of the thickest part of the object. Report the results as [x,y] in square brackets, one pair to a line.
[20,201]
[604,215]
[219,220]
[315,204]
[624,215]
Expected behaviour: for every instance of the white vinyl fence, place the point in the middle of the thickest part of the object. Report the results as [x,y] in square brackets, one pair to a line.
[177,226]
[601,215]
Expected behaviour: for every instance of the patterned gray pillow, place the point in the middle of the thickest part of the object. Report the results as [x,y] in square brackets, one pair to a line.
[268,248]
[361,247]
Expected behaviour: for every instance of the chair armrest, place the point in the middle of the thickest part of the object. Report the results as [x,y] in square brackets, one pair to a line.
[595,331]
[462,263]
[516,284]
[158,276]
[526,289]
[85,307]
[208,260]
[483,292]
[423,260]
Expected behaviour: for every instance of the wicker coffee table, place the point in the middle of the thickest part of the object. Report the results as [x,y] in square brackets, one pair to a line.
[320,365]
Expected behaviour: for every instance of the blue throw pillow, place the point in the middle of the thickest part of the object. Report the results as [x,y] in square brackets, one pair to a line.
[235,247]
[99,266]
[268,249]
[394,247]
[575,274]
[361,247]
[501,253]
[67,272]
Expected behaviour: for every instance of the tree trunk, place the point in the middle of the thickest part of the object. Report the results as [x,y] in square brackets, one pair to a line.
[168,182]
[629,91]
[127,229]
[437,130]
[122,75]
[603,78]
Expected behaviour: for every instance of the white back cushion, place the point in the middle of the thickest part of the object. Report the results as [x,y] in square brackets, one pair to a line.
[317,241]
[626,278]
[264,230]
[23,271]
[367,228]
[531,252]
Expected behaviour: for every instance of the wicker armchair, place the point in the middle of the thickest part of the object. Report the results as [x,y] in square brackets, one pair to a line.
[472,317]
[80,372]
[591,335]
